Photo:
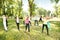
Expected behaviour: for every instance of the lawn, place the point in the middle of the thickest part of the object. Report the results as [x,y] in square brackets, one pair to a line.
[34,34]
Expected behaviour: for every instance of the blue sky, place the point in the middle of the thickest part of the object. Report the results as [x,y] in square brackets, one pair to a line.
[46,4]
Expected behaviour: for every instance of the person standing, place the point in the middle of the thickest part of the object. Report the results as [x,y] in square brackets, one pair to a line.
[27,23]
[45,25]
[5,22]
[17,22]
[40,19]
[36,21]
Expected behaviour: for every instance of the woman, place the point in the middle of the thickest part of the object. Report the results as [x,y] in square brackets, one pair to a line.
[17,22]
[27,23]
[5,22]
[45,25]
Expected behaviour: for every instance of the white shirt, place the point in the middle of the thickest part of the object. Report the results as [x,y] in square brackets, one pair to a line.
[17,20]
[45,21]
[36,18]
[4,19]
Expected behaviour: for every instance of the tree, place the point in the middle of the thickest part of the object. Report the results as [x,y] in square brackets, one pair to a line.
[11,7]
[16,6]
[58,11]
[0,7]
[5,5]
[32,6]
[42,11]
[56,2]
[19,7]
[48,13]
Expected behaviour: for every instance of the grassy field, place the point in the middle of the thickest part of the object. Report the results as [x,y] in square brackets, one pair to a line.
[35,33]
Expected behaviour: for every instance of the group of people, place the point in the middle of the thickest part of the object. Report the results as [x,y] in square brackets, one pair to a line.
[27,23]
[46,23]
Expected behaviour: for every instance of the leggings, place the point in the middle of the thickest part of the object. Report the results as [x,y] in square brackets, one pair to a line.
[17,25]
[45,25]
[28,27]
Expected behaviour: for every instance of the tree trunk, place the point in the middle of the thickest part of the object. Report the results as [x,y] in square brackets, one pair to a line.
[30,6]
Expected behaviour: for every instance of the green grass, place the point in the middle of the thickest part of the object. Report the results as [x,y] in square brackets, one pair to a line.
[1,23]
[35,32]
[57,24]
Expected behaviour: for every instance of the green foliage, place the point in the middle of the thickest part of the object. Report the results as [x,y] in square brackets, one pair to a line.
[42,11]
[58,10]
[32,6]
[56,23]
[11,7]
[56,1]
[48,13]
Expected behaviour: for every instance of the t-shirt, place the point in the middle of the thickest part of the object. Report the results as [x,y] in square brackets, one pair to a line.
[27,21]
[17,20]
[36,18]
[45,21]
[4,19]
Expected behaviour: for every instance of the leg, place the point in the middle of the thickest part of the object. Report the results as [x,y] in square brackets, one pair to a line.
[5,27]
[30,23]
[18,26]
[6,23]
[47,30]
[28,28]
[42,28]
[35,22]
